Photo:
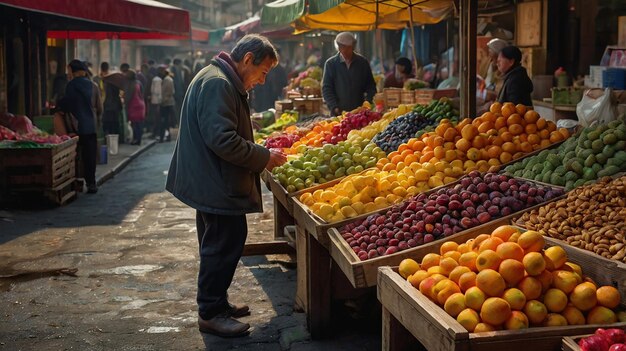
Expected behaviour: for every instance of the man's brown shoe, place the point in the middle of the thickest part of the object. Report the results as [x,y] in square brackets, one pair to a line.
[223,325]
[237,311]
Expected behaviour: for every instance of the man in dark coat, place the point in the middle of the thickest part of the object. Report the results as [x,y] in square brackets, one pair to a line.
[348,79]
[78,98]
[215,169]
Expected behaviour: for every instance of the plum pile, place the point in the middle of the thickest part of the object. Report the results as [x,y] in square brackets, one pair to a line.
[400,130]
[474,200]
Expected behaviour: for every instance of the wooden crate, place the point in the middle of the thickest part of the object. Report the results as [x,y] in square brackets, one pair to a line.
[407,97]
[425,96]
[38,168]
[392,97]
[279,192]
[363,273]
[570,343]
[438,331]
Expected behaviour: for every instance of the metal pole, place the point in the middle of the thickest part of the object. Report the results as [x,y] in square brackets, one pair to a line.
[410,8]
[467,24]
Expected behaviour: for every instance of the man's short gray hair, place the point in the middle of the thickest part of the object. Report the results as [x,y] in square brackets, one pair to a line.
[258,45]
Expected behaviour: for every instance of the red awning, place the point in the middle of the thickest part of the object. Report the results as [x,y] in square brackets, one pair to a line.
[140,15]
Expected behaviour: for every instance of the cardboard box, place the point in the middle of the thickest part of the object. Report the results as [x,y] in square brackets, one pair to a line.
[595,75]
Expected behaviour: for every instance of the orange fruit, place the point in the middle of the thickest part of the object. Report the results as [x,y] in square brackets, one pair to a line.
[551,126]
[534,139]
[495,311]
[546,280]
[489,116]
[450,134]
[488,259]
[565,280]
[495,108]
[452,254]
[506,136]
[468,318]
[526,147]
[494,151]
[608,296]
[475,243]
[484,327]
[469,132]
[520,109]
[463,144]
[514,119]
[555,137]
[508,110]
[448,246]
[509,147]
[504,232]
[535,311]
[573,315]
[554,320]
[418,145]
[457,272]
[407,267]
[515,298]
[583,296]
[479,142]
[531,287]
[505,157]
[485,127]
[416,278]
[601,315]
[510,250]
[532,116]
[430,260]
[530,128]
[512,271]
[517,320]
[490,243]
[473,154]
[490,282]
[516,129]
[454,304]
[474,298]
[545,143]
[531,241]
[468,259]
[534,263]
[443,290]
[555,300]
[564,132]
[500,122]
[447,264]
[555,257]
[467,280]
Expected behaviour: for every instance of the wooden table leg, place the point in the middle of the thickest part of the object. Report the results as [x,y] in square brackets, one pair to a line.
[282,218]
[395,335]
[302,272]
[319,289]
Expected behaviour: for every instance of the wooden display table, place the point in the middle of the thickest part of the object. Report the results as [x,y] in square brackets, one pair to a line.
[411,320]
[283,205]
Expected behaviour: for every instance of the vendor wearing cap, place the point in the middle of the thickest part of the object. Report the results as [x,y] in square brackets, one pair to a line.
[348,79]
[400,74]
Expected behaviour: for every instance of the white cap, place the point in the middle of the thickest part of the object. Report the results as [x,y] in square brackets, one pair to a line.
[496,45]
[345,38]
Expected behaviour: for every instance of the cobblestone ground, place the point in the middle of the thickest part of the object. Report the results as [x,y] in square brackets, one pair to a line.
[135,250]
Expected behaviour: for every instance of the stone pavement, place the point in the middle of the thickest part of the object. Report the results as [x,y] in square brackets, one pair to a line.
[134,247]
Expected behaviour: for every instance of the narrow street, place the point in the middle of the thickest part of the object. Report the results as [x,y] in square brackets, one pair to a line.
[134,251]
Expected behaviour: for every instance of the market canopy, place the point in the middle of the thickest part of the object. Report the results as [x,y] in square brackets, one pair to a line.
[364,15]
[129,15]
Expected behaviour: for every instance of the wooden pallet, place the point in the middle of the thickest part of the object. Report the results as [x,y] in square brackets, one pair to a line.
[408,310]
[62,193]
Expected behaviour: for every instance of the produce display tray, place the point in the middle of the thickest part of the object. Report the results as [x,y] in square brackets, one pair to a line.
[438,331]
[363,273]
[277,190]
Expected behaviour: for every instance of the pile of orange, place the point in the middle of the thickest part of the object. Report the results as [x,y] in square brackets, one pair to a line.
[506,280]
[504,133]
[315,137]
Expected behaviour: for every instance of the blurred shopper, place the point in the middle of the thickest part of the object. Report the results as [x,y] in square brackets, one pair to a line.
[135,106]
[154,113]
[517,86]
[178,74]
[112,104]
[348,79]
[215,169]
[401,72]
[79,102]
[166,110]
[264,96]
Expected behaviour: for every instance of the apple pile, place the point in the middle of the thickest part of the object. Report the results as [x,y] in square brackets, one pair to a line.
[603,340]
[352,121]
[474,200]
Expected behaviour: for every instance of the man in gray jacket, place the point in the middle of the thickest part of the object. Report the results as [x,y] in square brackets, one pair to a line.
[348,79]
[215,169]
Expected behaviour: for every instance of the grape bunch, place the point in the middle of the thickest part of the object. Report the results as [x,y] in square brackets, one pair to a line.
[352,121]
[281,141]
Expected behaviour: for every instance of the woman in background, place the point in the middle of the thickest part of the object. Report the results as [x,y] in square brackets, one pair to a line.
[517,86]
[135,106]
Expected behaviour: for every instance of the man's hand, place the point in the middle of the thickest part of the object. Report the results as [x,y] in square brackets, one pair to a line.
[277,158]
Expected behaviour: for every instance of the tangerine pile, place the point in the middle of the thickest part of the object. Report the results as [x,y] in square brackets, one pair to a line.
[506,280]
[505,133]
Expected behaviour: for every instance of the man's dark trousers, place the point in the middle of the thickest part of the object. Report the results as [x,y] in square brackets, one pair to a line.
[221,239]
[88,145]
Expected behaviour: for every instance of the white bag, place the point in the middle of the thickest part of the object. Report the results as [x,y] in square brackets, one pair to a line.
[596,109]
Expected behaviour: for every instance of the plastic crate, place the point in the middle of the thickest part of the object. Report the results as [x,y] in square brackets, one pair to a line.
[614,78]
